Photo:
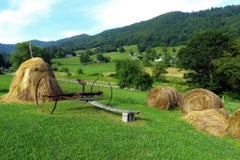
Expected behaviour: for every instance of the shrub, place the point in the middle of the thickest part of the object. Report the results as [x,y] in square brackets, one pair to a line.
[65,69]
[79,71]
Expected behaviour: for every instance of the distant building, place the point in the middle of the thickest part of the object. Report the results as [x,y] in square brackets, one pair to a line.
[158,60]
[69,55]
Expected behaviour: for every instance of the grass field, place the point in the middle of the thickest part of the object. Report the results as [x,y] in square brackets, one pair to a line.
[79,130]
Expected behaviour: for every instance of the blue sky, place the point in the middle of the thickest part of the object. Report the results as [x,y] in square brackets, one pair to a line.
[23,20]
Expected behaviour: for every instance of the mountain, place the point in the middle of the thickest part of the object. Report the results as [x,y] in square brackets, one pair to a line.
[174,28]
[7,48]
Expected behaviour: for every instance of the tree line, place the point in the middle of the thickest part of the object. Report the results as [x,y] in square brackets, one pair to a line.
[212,59]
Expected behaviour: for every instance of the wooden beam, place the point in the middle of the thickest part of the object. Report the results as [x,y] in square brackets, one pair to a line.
[127,115]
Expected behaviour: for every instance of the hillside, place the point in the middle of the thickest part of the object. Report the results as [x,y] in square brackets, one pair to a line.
[174,28]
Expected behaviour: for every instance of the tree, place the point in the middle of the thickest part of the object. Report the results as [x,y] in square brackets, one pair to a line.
[146,60]
[2,60]
[227,67]
[152,54]
[131,75]
[144,81]
[85,58]
[167,58]
[126,72]
[159,71]
[99,50]
[102,59]
[199,54]
[121,49]
[60,53]
[22,52]
[79,71]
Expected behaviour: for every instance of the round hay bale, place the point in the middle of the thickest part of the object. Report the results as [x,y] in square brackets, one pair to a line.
[164,97]
[212,121]
[234,125]
[200,99]
[23,85]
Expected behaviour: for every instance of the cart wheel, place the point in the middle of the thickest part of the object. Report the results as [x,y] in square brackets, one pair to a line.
[103,87]
[46,99]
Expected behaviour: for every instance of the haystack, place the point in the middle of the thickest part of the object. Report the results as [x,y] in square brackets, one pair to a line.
[200,99]
[23,85]
[164,97]
[234,125]
[212,121]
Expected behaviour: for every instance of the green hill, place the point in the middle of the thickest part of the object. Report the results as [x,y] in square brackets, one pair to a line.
[170,29]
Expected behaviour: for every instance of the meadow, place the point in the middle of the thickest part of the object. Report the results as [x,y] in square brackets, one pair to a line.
[78,130]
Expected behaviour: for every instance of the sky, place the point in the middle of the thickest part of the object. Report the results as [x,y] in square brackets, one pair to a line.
[47,20]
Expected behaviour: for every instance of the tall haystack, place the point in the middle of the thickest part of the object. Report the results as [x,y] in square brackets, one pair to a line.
[234,124]
[200,99]
[212,121]
[164,97]
[23,85]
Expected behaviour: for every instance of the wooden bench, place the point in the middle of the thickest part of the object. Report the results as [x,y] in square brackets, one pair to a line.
[127,115]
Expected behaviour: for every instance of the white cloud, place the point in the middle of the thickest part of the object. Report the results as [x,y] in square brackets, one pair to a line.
[21,14]
[117,13]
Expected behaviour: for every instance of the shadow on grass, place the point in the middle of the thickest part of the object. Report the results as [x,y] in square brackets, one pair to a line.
[2,91]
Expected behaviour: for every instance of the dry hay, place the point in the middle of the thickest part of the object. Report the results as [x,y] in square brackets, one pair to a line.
[200,99]
[23,85]
[212,121]
[234,125]
[164,97]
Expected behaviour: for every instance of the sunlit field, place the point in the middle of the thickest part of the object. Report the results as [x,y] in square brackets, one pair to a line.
[78,130]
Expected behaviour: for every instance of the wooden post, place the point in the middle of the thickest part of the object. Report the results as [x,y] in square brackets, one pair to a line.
[30,49]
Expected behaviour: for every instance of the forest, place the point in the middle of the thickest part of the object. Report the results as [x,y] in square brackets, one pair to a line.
[170,29]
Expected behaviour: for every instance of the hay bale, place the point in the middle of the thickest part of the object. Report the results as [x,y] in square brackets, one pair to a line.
[200,99]
[164,97]
[212,121]
[234,125]
[23,85]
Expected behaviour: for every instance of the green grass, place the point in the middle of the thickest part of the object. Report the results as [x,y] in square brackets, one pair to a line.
[133,48]
[79,130]
[115,55]
[169,49]
[90,71]
[73,63]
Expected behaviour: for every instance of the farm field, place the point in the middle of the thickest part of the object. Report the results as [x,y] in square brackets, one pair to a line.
[78,130]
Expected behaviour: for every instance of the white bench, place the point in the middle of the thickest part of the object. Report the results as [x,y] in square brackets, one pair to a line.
[127,115]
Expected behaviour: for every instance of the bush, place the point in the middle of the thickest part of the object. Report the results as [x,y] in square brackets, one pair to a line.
[54,68]
[1,70]
[79,71]
[69,74]
[65,69]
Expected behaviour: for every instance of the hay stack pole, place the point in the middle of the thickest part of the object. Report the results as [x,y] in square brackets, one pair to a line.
[30,49]
[23,85]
